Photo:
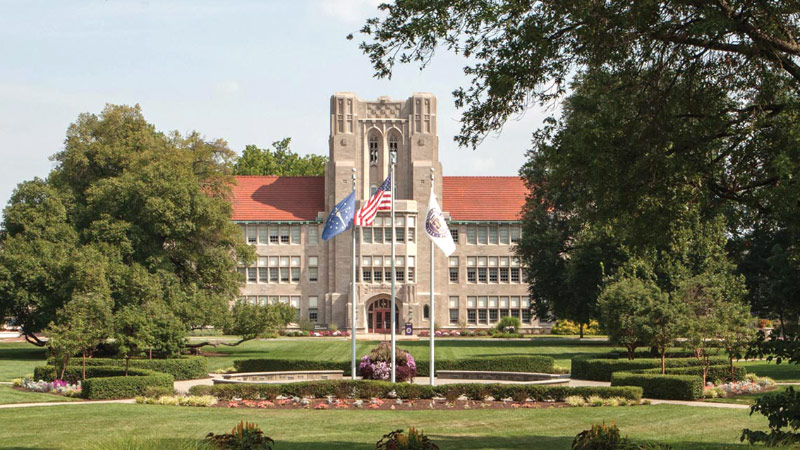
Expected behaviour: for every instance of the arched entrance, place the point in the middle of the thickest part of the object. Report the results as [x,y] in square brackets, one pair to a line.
[379,316]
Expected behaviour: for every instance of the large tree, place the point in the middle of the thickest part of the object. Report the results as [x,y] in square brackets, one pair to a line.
[136,214]
[278,160]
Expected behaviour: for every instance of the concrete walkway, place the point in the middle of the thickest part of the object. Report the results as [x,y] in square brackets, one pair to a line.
[90,402]
[701,404]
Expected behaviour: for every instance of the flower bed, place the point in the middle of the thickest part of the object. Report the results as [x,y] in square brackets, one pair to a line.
[385,404]
[752,385]
[321,333]
[52,387]
[377,365]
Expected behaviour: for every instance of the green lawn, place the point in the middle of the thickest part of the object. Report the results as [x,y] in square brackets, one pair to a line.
[779,372]
[747,399]
[18,359]
[11,395]
[88,425]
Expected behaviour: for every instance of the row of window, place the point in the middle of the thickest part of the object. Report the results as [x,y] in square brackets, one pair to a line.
[478,272]
[280,269]
[485,310]
[278,234]
[294,300]
[489,234]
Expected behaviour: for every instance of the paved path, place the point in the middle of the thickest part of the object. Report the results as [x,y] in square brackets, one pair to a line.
[93,402]
[701,404]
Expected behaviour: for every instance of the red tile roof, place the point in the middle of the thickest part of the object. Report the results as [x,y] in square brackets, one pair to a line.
[278,198]
[301,198]
[483,198]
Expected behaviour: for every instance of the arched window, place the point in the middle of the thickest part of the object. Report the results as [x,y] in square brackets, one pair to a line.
[372,190]
[426,312]
[373,150]
[393,143]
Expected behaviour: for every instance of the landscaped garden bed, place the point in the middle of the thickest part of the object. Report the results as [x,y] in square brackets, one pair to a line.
[385,404]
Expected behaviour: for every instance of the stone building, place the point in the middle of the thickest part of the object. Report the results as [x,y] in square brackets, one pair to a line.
[284,216]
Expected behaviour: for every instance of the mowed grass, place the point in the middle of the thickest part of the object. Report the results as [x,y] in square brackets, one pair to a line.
[18,359]
[748,399]
[338,349]
[86,426]
[10,395]
[784,372]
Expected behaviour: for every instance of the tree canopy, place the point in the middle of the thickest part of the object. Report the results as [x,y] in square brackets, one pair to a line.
[128,212]
[278,160]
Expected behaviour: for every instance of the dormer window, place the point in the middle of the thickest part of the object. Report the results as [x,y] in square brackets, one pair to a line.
[393,143]
[373,150]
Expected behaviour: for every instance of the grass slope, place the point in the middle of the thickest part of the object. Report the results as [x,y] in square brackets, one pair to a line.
[77,426]
[10,395]
[18,359]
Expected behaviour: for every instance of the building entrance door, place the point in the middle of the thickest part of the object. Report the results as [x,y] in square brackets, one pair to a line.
[379,316]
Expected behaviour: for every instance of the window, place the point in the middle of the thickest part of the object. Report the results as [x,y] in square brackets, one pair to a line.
[313,235]
[366,235]
[504,274]
[493,235]
[387,275]
[471,316]
[377,234]
[393,143]
[295,234]
[482,316]
[262,274]
[252,237]
[410,274]
[426,312]
[472,276]
[471,234]
[481,274]
[411,234]
[296,305]
[493,275]
[387,234]
[515,274]
[273,274]
[453,316]
[399,275]
[492,315]
[284,234]
[251,274]
[295,274]
[454,274]
[526,315]
[284,274]
[454,233]
[373,150]
[504,234]
[482,235]
[313,269]
[515,234]
[366,275]
[273,234]
[262,234]
[312,308]
[401,234]
[377,275]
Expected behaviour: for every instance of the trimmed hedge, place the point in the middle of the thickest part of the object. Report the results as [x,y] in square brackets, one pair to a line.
[600,369]
[124,387]
[671,387]
[532,363]
[180,368]
[381,389]
[73,374]
[719,372]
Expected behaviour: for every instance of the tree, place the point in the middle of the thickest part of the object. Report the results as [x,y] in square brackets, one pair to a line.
[89,318]
[714,310]
[62,345]
[279,160]
[624,305]
[666,318]
[253,321]
[132,333]
[131,212]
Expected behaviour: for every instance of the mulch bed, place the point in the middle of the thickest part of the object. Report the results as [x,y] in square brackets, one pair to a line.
[385,404]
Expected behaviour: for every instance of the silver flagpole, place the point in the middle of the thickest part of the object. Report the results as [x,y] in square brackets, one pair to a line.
[393,313]
[353,297]
[432,313]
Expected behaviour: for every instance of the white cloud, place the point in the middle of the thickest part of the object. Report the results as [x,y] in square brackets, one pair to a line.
[230,87]
[349,11]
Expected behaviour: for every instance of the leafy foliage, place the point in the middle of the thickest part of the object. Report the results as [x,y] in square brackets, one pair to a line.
[669,386]
[623,308]
[414,440]
[244,436]
[124,386]
[279,160]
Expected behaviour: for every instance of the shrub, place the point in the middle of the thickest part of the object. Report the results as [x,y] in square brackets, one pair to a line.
[721,372]
[244,436]
[176,400]
[528,363]
[124,387]
[781,411]
[509,322]
[568,327]
[180,368]
[599,437]
[158,392]
[201,389]
[414,440]
[600,369]
[672,387]
[575,400]
[73,374]
[377,365]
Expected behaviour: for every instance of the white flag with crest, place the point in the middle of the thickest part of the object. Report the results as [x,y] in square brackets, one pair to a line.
[436,227]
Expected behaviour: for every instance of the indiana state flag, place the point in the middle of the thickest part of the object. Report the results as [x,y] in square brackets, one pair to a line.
[341,217]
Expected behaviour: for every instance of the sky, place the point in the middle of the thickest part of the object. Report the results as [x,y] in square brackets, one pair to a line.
[249,72]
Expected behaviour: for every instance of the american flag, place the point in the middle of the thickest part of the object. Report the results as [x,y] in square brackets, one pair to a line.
[380,201]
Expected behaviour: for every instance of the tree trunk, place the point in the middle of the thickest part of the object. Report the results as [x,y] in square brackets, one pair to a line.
[127,364]
[32,339]
[663,361]
[83,377]
[151,353]
[580,327]
[731,361]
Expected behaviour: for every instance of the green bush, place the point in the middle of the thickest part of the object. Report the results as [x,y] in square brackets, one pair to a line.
[717,372]
[568,327]
[180,368]
[73,374]
[600,369]
[529,363]
[381,389]
[509,321]
[414,440]
[672,387]
[124,387]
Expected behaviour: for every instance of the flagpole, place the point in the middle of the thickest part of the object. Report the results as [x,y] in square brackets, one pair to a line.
[353,297]
[432,314]
[393,306]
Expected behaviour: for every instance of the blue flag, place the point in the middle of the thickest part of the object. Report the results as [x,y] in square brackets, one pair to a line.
[341,217]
